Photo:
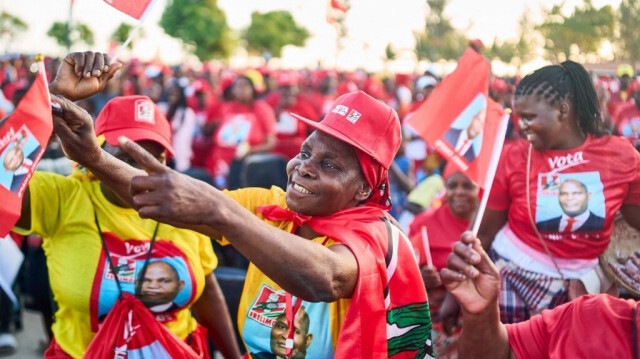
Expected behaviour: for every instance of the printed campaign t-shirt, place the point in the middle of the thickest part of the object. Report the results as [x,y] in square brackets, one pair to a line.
[574,194]
[592,326]
[62,213]
[628,123]
[240,124]
[262,309]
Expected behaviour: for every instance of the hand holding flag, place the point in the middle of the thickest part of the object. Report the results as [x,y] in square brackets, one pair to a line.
[83,74]
[74,127]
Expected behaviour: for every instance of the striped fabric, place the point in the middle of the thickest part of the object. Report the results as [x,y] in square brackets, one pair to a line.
[524,293]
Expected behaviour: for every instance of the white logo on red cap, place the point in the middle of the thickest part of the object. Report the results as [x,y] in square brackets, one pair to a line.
[353,116]
[341,110]
[144,112]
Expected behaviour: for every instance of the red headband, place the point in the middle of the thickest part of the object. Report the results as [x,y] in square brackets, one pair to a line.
[378,178]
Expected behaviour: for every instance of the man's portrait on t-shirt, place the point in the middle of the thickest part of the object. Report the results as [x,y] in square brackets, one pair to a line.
[159,284]
[570,202]
[165,286]
[266,327]
[17,159]
[465,134]
[235,130]
[631,129]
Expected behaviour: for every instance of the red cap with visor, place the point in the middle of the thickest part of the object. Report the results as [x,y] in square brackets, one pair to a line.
[135,117]
[373,128]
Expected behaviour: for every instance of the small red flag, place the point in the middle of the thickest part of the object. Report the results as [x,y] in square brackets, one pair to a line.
[460,120]
[23,138]
[339,5]
[133,8]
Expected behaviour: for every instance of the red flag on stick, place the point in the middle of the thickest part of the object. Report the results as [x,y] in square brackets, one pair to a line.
[339,5]
[23,138]
[133,8]
[460,120]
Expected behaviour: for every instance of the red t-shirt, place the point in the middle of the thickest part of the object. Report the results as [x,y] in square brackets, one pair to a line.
[592,326]
[616,102]
[239,123]
[443,231]
[609,168]
[628,123]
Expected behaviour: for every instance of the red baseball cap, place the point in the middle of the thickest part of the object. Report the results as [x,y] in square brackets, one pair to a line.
[136,117]
[288,79]
[363,122]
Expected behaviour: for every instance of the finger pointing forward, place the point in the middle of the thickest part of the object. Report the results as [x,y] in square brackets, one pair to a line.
[145,159]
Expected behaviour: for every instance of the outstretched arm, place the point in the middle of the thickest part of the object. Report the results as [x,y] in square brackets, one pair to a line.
[474,282]
[304,268]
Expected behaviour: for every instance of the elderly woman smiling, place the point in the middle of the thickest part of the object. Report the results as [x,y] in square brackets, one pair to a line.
[326,244]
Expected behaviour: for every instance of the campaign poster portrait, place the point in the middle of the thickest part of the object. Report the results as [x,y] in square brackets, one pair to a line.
[266,328]
[465,134]
[570,202]
[166,285]
[235,130]
[18,158]
[631,130]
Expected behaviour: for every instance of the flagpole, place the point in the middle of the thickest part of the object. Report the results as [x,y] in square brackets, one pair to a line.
[491,171]
[42,71]
[68,34]
[134,31]
[425,244]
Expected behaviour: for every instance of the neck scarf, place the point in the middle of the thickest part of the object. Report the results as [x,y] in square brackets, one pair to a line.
[389,292]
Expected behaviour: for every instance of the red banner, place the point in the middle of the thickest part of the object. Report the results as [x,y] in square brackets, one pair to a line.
[23,138]
[339,5]
[133,8]
[130,331]
[460,120]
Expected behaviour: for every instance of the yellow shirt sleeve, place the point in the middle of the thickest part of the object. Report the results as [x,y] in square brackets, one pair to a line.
[251,198]
[48,192]
[208,259]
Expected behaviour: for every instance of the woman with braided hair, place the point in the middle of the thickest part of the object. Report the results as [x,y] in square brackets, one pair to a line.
[556,192]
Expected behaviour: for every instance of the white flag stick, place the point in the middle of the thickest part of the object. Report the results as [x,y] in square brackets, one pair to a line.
[134,31]
[491,172]
[425,244]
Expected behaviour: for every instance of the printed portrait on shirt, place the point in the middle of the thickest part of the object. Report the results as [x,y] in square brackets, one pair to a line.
[570,202]
[235,130]
[266,328]
[17,159]
[631,129]
[166,285]
[465,134]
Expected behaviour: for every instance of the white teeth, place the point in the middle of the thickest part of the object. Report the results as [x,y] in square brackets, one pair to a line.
[299,188]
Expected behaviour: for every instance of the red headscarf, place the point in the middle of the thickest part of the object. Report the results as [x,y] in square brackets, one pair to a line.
[378,179]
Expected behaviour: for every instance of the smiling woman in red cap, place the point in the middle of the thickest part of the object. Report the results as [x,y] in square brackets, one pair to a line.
[326,244]
[89,233]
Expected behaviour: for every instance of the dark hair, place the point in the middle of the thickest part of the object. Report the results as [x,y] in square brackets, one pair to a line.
[567,81]
[254,93]
[180,103]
